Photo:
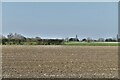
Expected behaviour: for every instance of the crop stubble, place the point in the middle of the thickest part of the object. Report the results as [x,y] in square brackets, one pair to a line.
[59,61]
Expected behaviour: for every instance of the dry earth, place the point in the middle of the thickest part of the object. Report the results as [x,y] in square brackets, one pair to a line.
[59,61]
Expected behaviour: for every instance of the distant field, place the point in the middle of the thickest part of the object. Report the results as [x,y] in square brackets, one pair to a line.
[59,61]
[93,43]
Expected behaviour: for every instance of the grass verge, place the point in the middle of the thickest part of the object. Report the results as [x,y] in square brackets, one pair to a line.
[93,43]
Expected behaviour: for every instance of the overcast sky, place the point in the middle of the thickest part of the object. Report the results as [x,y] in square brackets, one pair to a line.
[61,19]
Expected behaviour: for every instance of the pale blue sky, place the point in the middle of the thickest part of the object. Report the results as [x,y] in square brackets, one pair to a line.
[61,19]
[59,0]
[0,18]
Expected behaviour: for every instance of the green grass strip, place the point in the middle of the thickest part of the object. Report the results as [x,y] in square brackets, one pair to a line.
[92,43]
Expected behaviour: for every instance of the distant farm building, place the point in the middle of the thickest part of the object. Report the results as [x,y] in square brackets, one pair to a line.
[74,39]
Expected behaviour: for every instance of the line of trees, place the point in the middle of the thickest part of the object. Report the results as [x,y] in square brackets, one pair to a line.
[18,39]
[100,40]
[93,40]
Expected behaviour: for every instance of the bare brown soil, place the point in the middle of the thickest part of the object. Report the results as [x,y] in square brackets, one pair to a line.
[59,61]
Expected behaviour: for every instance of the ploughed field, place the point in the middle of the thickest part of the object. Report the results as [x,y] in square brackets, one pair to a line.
[61,61]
